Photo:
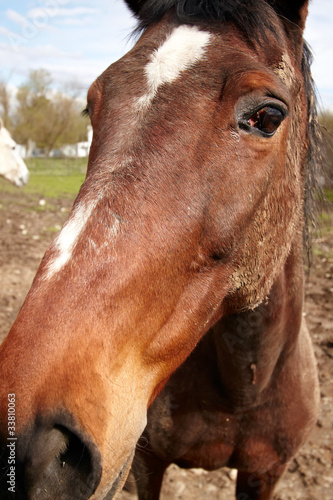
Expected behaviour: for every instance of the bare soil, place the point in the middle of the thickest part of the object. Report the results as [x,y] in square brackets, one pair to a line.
[27,227]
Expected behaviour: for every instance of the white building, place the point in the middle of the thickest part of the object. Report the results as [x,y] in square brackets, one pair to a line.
[78,150]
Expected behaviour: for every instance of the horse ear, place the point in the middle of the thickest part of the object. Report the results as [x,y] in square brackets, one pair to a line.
[134,5]
[143,8]
[294,11]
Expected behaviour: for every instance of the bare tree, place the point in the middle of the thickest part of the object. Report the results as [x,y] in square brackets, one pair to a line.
[5,104]
[49,119]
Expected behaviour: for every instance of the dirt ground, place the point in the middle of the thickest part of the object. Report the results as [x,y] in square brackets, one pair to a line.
[27,225]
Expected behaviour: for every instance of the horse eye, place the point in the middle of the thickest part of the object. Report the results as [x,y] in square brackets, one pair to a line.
[266,120]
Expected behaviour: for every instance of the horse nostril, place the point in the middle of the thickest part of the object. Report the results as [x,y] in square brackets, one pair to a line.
[74,455]
[61,464]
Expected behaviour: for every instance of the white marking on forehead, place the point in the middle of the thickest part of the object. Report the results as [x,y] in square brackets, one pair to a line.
[184,48]
[68,237]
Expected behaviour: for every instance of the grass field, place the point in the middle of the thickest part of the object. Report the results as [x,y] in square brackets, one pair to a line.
[52,177]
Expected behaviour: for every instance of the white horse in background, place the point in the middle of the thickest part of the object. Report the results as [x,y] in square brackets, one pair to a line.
[12,167]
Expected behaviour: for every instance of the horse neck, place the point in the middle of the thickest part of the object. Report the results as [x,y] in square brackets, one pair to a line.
[250,346]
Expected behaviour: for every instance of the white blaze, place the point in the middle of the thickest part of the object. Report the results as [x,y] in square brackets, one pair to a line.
[68,237]
[182,50]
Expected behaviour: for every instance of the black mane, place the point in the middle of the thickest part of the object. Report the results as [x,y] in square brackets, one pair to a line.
[250,16]
[313,195]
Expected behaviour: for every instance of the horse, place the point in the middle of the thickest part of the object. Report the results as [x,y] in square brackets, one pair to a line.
[174,291]
[12,167]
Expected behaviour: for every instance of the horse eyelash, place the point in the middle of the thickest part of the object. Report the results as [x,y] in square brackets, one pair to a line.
[85,112]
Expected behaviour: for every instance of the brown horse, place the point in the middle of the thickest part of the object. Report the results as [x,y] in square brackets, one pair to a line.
[186,232]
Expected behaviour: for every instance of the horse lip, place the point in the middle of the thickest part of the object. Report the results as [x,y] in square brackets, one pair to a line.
[120,480]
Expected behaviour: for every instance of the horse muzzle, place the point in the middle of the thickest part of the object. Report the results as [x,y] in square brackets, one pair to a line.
[54,459]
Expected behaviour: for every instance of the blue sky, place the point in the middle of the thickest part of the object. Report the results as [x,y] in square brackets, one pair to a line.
[77,39]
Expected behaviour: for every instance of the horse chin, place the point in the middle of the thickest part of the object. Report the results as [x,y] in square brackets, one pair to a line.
[119,481]
[118,450]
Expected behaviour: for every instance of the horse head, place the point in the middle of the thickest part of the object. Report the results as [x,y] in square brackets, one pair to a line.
[12,167]
[192,202]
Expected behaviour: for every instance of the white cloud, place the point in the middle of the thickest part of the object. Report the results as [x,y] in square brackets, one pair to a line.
[15,17]
[37,54]
[6,32]
[69,21]
[40,12]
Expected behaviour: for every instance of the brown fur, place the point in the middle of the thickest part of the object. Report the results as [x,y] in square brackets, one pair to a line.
[192,244]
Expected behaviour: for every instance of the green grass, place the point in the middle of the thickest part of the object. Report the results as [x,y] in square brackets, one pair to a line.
[51,177]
